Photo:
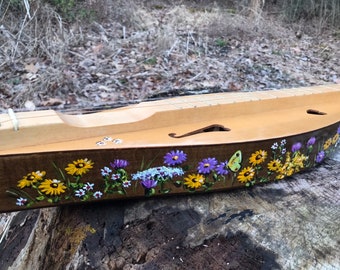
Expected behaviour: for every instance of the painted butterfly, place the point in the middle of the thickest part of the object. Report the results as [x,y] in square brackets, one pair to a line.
[234,163]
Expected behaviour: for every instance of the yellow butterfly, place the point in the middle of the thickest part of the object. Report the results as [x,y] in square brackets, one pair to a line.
[234,163]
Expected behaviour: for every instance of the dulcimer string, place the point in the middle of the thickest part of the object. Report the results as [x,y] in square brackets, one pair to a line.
[147,103]
[178,102]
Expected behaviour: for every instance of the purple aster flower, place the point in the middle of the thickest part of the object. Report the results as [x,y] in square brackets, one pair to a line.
[222,168]
[105,171]
[338,131]
[97,194]
[175,157]
[88,186]
[149,183]
[206,165]
[311,141]
[119,164]
[21,201]
[80,193]
[126,183]
[296,147]
[320,156]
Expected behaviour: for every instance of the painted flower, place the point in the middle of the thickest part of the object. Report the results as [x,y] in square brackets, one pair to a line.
[222,168]
[298,162]
[283,142]
[246,175]
[21,201]
[52,187]
[327,144]
[115,176]
[175,157]
[88,186]
[280,176]
[194,180]
[105,171]
[258,157]
[97,194]
[206,165]
[79,167]
[274,165]
[338,131]
[320,156]
[80,193]
[288,167]
[311,141]
[126,183]
[275,146]
[119,164]
[296,147]
[335,138]
[161,173]
[149,183]
[31,178]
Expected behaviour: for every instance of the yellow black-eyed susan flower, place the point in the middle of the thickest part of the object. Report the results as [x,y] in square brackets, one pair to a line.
[79,167]
[52,187]
[298,161]
[194,180]
[335,138]
[327,144]
[274,165]
[258,157]
[246,175]
[31,178]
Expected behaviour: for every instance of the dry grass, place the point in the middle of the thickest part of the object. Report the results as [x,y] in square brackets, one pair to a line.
[182,31]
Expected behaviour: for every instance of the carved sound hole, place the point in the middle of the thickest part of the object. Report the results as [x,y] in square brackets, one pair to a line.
[211,128]
[316,112]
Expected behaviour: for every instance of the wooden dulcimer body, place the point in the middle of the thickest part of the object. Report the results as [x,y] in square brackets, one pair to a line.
[180,145]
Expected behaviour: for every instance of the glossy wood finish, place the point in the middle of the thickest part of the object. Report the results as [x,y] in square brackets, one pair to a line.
[304,122]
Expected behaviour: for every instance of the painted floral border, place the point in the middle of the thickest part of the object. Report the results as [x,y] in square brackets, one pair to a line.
[261,166]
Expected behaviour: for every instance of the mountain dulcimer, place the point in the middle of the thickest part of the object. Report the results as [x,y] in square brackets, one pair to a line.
[188,144]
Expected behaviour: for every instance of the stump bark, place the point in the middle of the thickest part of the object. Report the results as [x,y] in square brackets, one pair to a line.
[290,224]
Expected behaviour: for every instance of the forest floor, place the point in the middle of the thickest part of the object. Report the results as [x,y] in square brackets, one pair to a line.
[157,49]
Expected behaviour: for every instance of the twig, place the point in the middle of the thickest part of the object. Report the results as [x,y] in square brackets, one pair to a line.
[172,48]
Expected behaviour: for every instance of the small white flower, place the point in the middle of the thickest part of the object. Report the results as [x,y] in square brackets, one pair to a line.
[275,146]
[126,183]
[21,201]
[88,186]
[106,171]
[115,176]
[80,193]
[97,194]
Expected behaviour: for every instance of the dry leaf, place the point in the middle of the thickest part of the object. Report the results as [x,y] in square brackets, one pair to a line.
[51,102]
[31,68]
[29,105]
